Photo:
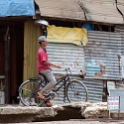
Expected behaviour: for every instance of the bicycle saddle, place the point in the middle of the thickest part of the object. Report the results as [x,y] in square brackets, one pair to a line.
[33,79]
[43,75]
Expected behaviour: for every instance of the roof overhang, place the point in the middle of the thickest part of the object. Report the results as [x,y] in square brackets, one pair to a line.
[101,11]
[17,8]
[104,11]
[61,9]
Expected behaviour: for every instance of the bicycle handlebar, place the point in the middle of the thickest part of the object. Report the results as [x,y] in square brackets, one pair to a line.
[68,71]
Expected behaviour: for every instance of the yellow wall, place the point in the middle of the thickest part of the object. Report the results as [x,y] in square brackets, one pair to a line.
[31,34]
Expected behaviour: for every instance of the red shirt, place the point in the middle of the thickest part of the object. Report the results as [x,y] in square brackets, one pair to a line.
[41,57]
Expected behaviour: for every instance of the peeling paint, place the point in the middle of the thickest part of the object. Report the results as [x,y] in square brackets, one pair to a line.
[104,48]
[119,66]
[93,67]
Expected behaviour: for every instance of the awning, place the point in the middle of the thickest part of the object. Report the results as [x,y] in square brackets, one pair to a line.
[120,6]
[63,9]
[17,8]
[102,11]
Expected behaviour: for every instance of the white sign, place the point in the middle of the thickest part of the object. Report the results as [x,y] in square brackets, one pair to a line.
[113,102]
[110,85]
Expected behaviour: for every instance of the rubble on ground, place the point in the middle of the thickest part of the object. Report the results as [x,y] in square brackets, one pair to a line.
[79,110]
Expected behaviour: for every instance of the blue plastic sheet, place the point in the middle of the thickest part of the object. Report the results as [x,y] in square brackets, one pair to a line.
[17,8]
[89,27]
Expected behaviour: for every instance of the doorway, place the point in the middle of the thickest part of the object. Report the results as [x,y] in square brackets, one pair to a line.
[11,57]
[16,60]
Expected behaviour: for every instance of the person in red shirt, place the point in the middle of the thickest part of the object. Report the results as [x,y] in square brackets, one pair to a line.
[44,67]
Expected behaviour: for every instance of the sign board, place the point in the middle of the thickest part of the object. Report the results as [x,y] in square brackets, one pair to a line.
[110,85]
[119,92]
[113,102]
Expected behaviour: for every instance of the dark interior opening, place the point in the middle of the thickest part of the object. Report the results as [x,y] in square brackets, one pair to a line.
[2,53]
[96,26]
[17,50]
[16,55]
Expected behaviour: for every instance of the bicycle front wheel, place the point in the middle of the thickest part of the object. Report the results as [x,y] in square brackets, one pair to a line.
[76,91]
[28,93]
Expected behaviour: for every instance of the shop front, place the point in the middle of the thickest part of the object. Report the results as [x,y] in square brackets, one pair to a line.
[12,17]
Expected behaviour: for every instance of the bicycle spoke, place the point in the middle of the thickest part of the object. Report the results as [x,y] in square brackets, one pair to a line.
[28,93]
[72,87]
[27,99]
[26,89]
[76,91]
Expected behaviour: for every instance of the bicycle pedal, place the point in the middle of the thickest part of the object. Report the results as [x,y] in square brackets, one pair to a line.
[50,96]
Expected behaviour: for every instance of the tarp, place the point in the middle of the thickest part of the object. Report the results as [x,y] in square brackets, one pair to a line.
[76,36]
[17,8]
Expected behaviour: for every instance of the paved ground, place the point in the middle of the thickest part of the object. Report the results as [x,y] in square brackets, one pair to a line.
[73,122]
[21,114]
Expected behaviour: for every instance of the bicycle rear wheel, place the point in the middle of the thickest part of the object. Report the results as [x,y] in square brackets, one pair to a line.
[76,91]
[28,93]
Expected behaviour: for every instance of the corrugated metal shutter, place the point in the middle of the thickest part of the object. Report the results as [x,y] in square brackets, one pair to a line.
[94,87]
[69,55]
[95,90]
[102,55]
[120,29]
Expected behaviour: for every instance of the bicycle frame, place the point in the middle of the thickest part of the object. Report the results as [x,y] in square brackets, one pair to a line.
[65,79]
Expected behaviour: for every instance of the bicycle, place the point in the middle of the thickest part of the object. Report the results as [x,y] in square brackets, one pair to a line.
[74,90]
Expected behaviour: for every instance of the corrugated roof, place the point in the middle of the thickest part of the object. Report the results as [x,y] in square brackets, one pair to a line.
[95,10]
[66,9]
[101,11]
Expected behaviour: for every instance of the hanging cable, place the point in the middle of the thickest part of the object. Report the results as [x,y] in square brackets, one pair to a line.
[119,9]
